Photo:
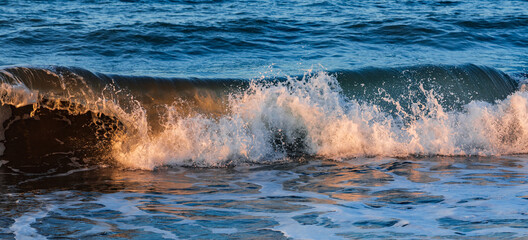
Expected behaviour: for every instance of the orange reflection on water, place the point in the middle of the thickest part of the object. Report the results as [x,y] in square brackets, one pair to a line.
[351,196]
[151,182]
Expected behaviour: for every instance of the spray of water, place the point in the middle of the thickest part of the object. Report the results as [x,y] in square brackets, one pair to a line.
[271,121]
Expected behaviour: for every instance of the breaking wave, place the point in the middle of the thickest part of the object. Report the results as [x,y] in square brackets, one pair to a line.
[70,115]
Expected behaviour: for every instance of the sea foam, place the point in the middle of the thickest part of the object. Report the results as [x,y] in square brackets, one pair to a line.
[310,116]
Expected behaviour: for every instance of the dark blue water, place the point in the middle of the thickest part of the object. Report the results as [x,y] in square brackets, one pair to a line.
[263,119]
[244,38]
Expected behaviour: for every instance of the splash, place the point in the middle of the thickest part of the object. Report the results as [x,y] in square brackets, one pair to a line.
[311,116]
[144,123]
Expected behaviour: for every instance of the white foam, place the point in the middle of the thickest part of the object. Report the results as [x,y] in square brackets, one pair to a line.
[314,112]
[22,226]
[311,115]
[17,95]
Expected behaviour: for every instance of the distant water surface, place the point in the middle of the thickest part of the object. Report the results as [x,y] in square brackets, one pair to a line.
[242,38]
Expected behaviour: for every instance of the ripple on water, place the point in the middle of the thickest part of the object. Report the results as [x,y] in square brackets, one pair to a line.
[360,198]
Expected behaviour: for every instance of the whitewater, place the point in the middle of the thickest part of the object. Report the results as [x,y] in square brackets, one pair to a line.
[216,123]
[311,116]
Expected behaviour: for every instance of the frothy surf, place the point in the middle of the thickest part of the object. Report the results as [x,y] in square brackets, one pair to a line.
[144,123]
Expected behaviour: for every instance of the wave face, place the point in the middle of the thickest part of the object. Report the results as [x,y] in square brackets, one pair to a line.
[146,122]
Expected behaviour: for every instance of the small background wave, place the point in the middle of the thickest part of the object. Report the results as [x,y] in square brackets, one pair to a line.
[239,39]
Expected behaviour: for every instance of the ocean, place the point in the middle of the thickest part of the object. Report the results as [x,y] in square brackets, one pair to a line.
[228,119]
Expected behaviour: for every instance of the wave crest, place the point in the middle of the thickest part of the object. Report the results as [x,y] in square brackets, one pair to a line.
[144,123]
[311,116]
